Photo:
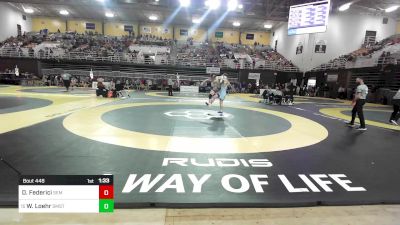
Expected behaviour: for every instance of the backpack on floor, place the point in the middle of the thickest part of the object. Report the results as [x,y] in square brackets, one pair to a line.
[110,94]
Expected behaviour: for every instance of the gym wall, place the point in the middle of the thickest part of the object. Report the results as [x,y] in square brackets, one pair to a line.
[345,33]
[52,24]
[9,19]
[199,34]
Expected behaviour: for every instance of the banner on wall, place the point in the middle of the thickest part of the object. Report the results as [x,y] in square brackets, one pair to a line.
[90,26]
[254,76]
[332,77]
[249,36]
[320,46]
[183,32]
[219,34]
[213,70]
[299,48]
[163,30]
[128,28]
[146,29]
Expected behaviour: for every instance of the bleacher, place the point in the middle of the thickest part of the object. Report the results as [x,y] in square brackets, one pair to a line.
[128,72]
[143,50]
[385,52]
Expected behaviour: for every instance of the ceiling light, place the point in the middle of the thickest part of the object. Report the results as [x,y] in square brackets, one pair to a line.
[28,10]
[213,4]
[196,20]
[153,17]
[109,14]
[236,24]
[232,5]
[267,26]
[391,9]
[64,12]
[184,3]
[240,6]
[345,7]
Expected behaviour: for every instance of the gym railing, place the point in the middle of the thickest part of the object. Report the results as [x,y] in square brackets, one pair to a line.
[128,75]
[336,64]
[344,64]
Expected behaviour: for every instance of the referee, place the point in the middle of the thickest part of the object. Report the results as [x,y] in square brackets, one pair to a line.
[170,84]
[358,103]
[66,77]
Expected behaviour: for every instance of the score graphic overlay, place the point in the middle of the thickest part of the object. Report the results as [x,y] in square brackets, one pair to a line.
[66,194]
[308,18]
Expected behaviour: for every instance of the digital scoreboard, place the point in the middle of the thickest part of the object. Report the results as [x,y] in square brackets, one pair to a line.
[66,194]
[308,18]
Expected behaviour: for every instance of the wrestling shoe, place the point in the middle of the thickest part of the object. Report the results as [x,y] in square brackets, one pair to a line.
[361,128]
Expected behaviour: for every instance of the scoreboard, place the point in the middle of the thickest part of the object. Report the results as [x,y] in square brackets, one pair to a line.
[66,194]
[308,18]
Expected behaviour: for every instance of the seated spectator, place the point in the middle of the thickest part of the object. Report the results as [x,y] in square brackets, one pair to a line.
[101,90]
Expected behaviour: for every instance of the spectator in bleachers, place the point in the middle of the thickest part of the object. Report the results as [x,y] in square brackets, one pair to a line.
[90,46]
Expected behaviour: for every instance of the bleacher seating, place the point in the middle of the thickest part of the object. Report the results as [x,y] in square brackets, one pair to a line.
[145,49]
[385,52]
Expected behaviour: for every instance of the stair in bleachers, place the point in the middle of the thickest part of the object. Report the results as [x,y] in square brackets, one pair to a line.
[376,79]
[76,66]
[194,74]
[370,79]
[395,84]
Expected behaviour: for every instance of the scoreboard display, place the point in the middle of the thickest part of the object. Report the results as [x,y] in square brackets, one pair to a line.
[66,194]
[308,18]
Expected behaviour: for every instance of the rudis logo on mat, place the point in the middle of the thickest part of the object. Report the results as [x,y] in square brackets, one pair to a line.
[218,162]
[254,181]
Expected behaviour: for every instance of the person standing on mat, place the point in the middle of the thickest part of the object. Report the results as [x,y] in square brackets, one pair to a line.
[66,77]
[170,84]
[396,106]
[224,84]
[214,89]
[358,103]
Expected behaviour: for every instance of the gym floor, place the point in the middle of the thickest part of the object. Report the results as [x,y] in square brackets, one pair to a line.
[354,215]
[45,131]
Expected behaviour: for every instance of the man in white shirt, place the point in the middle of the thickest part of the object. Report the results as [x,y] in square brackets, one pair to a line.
[358,103]
[396,106]
[66,77]
[170,84]
[149,84]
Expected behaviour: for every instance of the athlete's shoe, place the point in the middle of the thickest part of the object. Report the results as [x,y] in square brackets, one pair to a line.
[349,124]
[207,104]
[361,128]
[394,122]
